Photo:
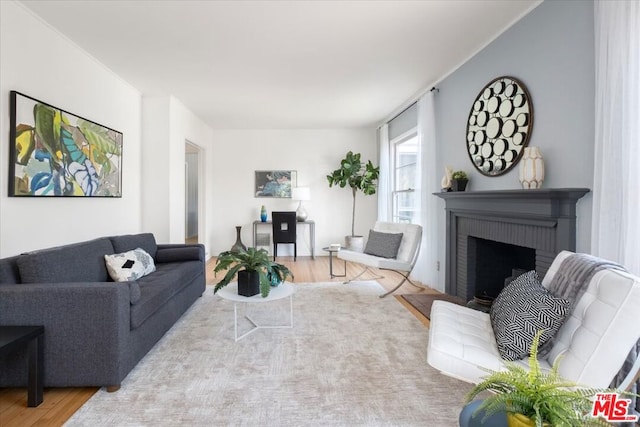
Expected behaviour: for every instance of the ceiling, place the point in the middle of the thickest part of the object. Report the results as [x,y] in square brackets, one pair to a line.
[283,64]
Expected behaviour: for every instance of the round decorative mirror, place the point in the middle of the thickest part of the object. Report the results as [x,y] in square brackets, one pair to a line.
[499,126]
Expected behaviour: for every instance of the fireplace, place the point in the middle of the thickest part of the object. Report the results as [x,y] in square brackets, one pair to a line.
[491,233]
[489,263]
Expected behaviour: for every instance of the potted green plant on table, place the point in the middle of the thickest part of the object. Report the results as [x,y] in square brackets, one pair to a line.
[536,397]
[256,272]
[358,176]
[459,181]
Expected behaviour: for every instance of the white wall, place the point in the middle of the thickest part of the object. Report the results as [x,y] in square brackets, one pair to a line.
[167,125]
[39,62]
[155,130]
[236,154]
[155,163]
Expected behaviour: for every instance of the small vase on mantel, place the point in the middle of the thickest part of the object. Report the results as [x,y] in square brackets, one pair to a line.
[263,214]
[531,168]
[238,246]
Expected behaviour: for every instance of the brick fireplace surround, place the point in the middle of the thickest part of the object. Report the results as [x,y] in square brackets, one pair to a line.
[543,220]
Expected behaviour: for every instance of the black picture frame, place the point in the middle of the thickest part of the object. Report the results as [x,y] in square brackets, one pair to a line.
[55,153]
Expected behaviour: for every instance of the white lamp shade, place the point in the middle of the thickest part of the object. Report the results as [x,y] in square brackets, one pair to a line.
[301,193]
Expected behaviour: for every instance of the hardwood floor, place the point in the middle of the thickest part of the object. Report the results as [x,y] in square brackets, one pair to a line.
[60,403]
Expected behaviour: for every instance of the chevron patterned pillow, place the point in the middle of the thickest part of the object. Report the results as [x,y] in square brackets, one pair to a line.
[523,308]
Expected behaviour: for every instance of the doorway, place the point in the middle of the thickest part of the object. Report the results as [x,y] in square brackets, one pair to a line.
[191,173]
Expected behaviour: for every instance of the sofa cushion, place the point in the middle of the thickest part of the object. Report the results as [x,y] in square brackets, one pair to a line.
[374,261]
[160,286]
[384,245]
[128,242]
[130,265]
[180,253]
[9,272]
[78,262]
[522,309]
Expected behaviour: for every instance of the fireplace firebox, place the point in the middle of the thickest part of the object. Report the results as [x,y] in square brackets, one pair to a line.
[491,233]
[490,263]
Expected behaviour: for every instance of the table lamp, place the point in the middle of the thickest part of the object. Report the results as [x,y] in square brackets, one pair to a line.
[301,194]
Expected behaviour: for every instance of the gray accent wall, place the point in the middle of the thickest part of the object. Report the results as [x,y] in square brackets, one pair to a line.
[551,50]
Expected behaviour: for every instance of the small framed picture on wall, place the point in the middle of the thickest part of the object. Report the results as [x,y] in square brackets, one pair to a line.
[274,183]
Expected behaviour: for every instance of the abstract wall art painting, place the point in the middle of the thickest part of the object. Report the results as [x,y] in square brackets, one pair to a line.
[273,184]
[56,153]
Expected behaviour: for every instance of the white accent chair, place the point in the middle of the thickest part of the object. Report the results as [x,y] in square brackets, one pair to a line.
[594,340]
[402,264]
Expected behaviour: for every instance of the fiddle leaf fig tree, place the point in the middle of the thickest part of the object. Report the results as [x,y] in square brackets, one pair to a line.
[356,175]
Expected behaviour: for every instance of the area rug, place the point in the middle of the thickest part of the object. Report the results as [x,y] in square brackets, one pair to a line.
[423,302]
[351,359]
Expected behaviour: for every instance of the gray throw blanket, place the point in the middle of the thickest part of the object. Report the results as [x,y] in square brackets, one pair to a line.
[571,282]
[572,278]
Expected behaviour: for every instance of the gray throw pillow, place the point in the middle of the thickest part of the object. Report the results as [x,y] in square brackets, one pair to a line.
[523,308]
[384,245]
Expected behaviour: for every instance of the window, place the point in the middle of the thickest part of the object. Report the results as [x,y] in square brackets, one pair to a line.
[404,164]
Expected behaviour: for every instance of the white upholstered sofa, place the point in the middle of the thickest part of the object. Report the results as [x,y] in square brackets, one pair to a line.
[594,340]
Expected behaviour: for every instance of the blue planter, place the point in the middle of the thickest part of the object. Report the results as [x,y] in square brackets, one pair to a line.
[273,279]
[468,419]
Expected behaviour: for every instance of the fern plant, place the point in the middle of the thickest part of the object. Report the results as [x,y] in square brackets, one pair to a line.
[542,396]
[252,259]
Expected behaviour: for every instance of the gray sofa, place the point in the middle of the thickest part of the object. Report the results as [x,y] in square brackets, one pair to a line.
[96,330]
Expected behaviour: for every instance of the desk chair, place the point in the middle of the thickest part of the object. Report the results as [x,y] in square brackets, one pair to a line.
[284,231]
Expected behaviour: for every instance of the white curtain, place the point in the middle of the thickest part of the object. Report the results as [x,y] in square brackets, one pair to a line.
[616,190]
[425,270]
[384,179]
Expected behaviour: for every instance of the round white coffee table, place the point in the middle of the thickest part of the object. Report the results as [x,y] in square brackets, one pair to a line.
[230,293]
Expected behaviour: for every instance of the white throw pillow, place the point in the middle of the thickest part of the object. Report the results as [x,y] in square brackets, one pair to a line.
[128,266]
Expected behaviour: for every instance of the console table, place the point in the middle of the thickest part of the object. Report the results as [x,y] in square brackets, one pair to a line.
[312,233]
[16,337]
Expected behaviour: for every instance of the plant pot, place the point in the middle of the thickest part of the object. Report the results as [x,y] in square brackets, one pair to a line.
[354,243]
[470,416]
[273,280]
[248,283]
[520,420]
[459,184]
